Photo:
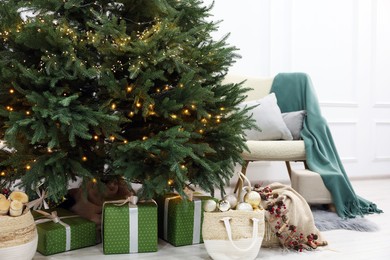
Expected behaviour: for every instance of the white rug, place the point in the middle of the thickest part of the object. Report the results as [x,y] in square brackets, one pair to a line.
[326,220]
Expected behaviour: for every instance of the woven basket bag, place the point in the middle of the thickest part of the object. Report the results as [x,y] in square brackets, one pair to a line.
[234,234]
[18,237]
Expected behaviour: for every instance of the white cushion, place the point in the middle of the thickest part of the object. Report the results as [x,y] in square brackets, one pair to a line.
[268,118]
[275,151]
[294,122]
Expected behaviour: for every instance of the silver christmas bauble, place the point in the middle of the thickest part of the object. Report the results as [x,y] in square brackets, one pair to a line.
[209,206]
[243,206]
[232,200]
[223,205]
[253,198]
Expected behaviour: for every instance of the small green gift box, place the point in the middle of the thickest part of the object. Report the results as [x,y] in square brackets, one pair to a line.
[129,227]
[180,222]
[60,230]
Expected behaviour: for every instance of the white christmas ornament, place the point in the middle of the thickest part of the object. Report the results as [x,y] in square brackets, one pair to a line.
[223,205]
[253,198]
[232,200]
[210,205]
[243,206]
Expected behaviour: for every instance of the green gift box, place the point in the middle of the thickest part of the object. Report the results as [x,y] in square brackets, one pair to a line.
[129,228]
[60,230]
[180,222]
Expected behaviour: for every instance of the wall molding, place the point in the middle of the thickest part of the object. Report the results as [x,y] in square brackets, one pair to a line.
[342,122]
[377,142]
[381,105]
[344,104]
[349,159]
[381,159]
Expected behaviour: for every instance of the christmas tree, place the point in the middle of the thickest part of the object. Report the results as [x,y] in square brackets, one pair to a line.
[129,88]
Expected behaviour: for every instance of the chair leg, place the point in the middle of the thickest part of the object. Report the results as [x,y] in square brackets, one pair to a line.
[288,168]
[239,181]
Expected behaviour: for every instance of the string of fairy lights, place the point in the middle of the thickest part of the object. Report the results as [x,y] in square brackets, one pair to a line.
[121,43]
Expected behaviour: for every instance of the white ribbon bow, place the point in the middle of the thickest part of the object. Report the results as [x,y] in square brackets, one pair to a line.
[38,203]
[131,200]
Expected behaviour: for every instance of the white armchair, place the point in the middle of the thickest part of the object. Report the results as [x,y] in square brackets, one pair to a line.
[306,182]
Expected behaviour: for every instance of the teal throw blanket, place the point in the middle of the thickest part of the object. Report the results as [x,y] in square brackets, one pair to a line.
[294,91]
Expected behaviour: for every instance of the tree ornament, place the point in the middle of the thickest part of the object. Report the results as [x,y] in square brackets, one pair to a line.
[244,206]
[253,198]
[5,191]
[210,206]
[223,205]
[232,200]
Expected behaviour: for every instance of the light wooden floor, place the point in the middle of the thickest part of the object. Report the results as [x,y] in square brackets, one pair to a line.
[343,244]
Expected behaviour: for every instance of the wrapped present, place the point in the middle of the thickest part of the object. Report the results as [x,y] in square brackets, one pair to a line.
[129,226]
[60,230]
[180,222]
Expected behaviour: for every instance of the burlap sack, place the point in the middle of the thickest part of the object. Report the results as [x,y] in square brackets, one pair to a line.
[270,239]
[295,221]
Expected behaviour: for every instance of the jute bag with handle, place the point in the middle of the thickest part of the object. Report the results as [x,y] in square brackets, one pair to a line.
[233,234]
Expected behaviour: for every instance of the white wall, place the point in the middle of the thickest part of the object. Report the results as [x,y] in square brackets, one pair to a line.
[344,46]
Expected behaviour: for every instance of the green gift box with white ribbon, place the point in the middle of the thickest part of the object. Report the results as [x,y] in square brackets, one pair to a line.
[180,222]
[60,230]
[129,227]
